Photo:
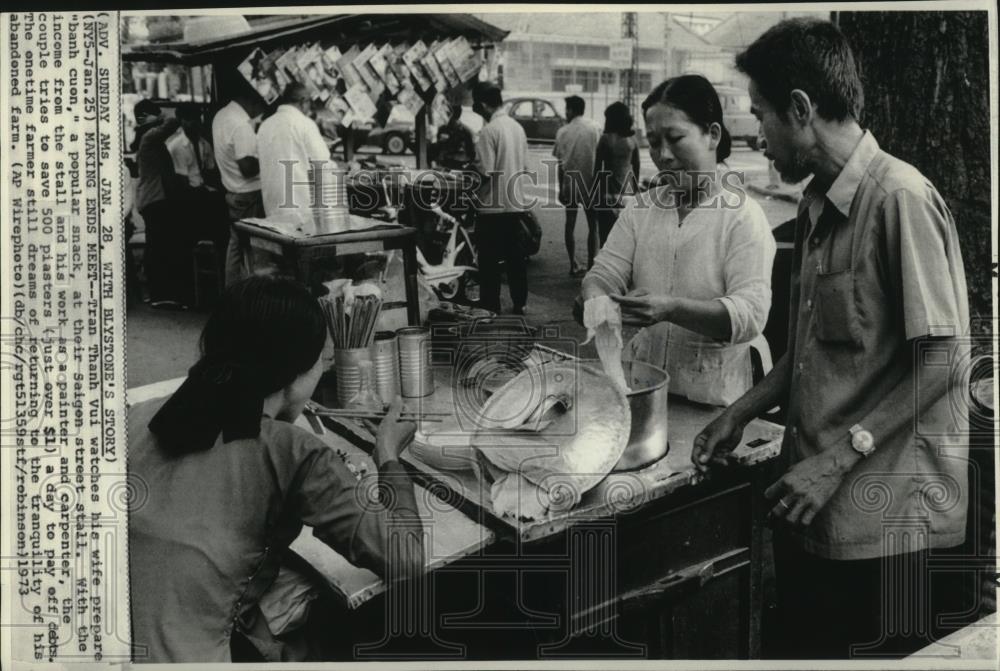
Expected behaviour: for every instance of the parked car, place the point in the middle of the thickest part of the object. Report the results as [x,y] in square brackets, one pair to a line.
[537,116]
[742,125]
[396,137]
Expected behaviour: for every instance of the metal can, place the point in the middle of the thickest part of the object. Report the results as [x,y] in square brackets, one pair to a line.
[347,363]
[385,354]
[415,376]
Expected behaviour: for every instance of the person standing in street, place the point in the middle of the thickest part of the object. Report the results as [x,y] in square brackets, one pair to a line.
[501,150]
[575,149]
[289,142]
[875,447]
[157,199]
[616,167]
[455,147]
[235,143]
[202,202]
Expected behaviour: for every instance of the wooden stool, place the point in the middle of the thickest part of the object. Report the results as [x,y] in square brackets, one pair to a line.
[205,270]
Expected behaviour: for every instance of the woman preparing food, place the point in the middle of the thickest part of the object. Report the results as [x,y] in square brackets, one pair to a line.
[689,260]
[228,482]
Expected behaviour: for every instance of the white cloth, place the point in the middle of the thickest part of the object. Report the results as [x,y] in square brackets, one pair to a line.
[234,138]
[289,135]
[186,162]
[719,253]
[603,319]
[502,154]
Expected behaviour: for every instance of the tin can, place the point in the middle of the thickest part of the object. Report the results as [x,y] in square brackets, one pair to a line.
[415,377]
[328,190]
[347,362]
[385,354]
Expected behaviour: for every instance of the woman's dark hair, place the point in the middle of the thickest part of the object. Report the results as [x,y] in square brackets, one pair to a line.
[695,96]
[270,324]
[807,54]
[265,332]
[617,119]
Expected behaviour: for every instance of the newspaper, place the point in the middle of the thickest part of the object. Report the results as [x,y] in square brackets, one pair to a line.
[66,125]
[66,488]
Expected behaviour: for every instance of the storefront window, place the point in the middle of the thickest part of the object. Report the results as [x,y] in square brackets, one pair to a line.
[560,78]
[588,79]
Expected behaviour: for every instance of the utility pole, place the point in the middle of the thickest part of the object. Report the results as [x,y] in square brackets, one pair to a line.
[630,78]
[668,60]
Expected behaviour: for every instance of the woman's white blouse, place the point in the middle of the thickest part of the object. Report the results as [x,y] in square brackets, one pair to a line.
[722,251]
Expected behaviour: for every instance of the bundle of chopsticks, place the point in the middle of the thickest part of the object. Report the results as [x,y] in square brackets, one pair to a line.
[354,327]
[364,413]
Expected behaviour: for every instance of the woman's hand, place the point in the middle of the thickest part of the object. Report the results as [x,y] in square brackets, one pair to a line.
[393,434]
[641,308]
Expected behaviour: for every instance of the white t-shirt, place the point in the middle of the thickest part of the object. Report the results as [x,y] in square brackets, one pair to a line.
[186,161]
[288,135]
[234,138]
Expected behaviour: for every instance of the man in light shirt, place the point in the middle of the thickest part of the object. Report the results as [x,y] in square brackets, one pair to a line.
[289,141]
[502,150]
[200,202]
[575,149]
[236,157]
[870,513]
[191,153]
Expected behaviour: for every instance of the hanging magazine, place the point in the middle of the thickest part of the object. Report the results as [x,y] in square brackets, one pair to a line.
[413,58]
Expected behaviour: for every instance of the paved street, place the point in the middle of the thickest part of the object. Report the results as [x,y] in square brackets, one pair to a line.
[163,345]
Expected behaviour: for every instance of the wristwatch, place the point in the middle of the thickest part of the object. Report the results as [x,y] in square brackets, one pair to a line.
[862,440]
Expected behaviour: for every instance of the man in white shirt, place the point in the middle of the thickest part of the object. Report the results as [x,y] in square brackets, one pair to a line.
[575,149]
[236,157]
[200,203]
[501,152]
[289,141]
[190,152]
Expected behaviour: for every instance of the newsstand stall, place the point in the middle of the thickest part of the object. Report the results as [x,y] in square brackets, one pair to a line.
[356,68]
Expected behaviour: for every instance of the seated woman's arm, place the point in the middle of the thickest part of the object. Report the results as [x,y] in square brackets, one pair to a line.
[373,523]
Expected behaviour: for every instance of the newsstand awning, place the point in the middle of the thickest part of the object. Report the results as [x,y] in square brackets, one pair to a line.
[334,28]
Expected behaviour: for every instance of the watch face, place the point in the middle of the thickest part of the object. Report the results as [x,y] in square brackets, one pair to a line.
[863,441]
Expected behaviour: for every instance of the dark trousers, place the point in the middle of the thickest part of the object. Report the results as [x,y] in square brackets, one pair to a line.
[499,238]
[167,256]
[864,609]
[240,206]
[606,218]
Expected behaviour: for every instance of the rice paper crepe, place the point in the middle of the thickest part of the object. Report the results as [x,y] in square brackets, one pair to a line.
[549,435]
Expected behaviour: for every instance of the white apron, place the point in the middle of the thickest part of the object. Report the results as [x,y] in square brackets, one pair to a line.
[701,369]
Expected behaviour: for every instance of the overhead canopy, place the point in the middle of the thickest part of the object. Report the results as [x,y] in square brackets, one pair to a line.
[329,28]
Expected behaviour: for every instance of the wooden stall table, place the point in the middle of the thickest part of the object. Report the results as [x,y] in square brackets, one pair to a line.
[661,562]
[303,252]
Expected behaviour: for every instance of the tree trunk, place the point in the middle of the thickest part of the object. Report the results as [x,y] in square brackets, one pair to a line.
[927,85]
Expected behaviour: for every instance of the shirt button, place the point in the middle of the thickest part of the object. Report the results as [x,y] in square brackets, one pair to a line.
[800,367]
[809,304]
[795,432]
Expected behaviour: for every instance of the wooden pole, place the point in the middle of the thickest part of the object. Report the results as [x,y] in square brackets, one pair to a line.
[421,123]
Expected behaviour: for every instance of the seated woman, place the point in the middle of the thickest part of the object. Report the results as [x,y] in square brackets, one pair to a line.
[694,255]
[228,481]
